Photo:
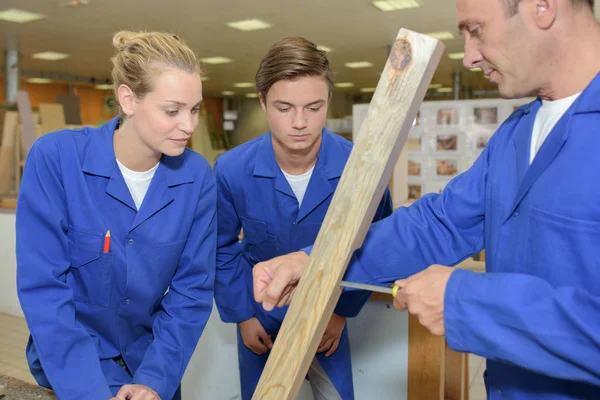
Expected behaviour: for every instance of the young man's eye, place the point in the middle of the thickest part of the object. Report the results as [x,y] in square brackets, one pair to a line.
[283,109]
[195,110]
[314,109]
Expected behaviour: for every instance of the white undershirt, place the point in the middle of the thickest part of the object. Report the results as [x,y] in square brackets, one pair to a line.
[137,182]
[299,183]
[549,114]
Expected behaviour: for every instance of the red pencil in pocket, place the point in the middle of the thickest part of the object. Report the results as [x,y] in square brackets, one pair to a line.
[107,242]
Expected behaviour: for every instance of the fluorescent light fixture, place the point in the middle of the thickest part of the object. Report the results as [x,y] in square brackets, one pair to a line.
[50,56]
[204,78]
[216,60]
[243,84]
[73,3]
[367,89]
[344,85]
[359,64]
[393,5]
[476,69]
[249,25]
[444,90]
[39,80]
[325,48]
[435,85]
[104,86]
[456,56]
[227,93]
[20,16]
[252,95]
[441,35]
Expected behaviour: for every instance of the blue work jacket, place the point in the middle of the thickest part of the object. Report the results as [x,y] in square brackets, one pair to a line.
[535,313]
[254,195]
[147,299]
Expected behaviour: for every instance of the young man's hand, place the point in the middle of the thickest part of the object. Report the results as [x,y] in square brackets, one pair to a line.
[332,335]
[255,337]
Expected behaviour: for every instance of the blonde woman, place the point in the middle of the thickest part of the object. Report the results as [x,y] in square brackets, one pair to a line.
[116,235]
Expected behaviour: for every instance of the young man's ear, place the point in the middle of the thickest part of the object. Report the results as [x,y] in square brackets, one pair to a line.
[127,100]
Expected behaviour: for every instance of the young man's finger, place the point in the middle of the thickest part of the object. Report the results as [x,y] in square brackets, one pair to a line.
[333,348]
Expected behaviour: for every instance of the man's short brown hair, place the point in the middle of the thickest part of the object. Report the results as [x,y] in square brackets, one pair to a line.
[289,59]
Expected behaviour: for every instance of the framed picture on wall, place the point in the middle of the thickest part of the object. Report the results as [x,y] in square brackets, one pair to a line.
[414,191]
[485,115]
[414,167]
[447,167]
[447,116]
[446,142]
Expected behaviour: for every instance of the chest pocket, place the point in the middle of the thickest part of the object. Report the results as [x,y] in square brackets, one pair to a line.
[260,245]
[91,269]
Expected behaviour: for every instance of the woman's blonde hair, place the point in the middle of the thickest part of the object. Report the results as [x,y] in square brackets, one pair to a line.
[140,55]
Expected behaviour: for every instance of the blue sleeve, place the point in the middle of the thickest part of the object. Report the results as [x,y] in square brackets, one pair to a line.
[71,364]
[187,306]
[234,274]
[437,229]
[523,320]
[352,301]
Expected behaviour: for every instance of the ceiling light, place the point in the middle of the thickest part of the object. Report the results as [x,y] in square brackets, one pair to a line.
[325,48]
[216,60]
[204,78]
[73,3]
[435,85]
[243,84]
[476,69]
[441,35]
[393,5]
[444,90]
[39,80]
[252,95]
[19,16]
[344,85]
[359,64]
[249,25]
[50,56]
[227,93]
[456,56]
[104,86]
[367,89]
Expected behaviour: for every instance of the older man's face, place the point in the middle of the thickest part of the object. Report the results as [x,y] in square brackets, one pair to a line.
[498,44]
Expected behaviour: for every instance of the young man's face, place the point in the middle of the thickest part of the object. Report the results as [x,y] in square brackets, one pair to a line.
[296,112]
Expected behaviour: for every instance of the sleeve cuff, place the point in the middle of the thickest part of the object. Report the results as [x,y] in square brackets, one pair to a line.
[453,320]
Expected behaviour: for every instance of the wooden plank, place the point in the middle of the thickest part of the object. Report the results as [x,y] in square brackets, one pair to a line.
[71,106]
[394,106]
[52,118]
[7,151]
[426,362]
[28,133]
[456,374]
[8,202]
[399,186]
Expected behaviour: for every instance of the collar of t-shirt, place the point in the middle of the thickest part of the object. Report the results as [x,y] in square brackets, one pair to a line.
[137,182]
[299,183]
[548,115]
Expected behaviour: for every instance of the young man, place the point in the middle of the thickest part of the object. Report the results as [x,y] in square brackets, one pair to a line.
[532,200]
[277,189]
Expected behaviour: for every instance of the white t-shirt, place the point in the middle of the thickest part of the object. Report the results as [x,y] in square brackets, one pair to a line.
[299,183]
[137,182]
[548,115]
